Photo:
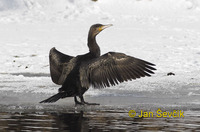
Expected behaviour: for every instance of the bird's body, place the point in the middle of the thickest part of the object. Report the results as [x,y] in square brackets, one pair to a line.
[77,74]
[72,83]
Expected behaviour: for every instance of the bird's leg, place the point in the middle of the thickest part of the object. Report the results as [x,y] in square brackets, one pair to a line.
[83,101]
[77,102]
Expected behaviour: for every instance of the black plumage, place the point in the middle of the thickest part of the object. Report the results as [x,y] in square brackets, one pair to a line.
[77,74]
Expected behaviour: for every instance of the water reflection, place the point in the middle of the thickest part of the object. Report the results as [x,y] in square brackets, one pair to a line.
[41,121]
[73,122]
[93,121]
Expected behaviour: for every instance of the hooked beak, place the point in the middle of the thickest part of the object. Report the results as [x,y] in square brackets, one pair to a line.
[104,27]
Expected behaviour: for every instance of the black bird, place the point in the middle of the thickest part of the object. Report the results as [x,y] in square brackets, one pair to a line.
[77,74]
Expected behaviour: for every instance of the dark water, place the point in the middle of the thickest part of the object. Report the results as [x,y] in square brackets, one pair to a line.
[94,121]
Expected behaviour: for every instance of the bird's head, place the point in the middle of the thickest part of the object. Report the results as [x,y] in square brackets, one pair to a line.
[97,28]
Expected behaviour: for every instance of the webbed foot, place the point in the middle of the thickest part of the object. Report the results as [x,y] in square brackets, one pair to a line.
[91,103]
[83,102]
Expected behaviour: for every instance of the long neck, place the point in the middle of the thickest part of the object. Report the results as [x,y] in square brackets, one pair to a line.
[93,46]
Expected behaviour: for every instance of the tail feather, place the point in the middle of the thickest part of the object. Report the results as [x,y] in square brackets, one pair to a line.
[54,98]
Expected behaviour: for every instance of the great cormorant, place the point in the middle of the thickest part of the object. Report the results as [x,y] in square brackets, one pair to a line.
[77,74]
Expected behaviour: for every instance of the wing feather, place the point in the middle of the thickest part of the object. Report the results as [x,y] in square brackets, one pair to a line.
[58,62]
[113,68]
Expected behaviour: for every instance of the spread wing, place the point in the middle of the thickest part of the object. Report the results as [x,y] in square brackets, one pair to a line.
[113,68]
[58,61]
